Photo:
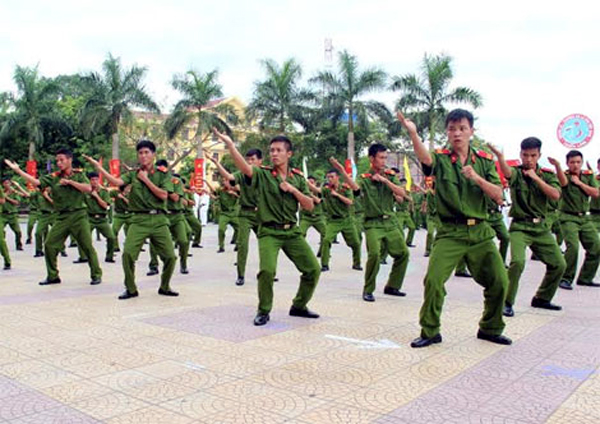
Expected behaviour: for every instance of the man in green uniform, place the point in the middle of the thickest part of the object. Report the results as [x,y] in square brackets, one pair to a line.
[34,214]
[430,212]
[337,203]
[46,219]
[121,214]
[98,203]
[3,246]
[150,187]
[191,218]
[69,187]
[496,221]
[405,209]
[577,187]
[595,204]
[177,224]
[279,191]
[533,190]
[228,210]
[248,209]
[379,190]
[10,212]
[315,218]
[464,178]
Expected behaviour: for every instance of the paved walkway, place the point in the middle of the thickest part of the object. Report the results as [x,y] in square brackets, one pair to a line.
[73,353]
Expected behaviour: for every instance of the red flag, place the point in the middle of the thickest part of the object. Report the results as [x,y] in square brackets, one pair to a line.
[198,173]
[348,166]
[31,170]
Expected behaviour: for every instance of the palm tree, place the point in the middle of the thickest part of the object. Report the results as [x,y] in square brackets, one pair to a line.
[426,95]
[277,100]
[345,89]
[34,111]
[111,97]
[200,104]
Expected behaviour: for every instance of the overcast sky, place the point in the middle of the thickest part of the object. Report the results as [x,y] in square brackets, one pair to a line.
[532,62]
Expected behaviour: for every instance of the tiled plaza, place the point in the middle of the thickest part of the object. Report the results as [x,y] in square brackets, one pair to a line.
[73,353]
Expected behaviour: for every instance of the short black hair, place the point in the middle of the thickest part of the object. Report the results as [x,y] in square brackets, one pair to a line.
[282,139]
[254,152]
[531,143]
[574,154]
[91,175]
[311,177]
[376,148]
[458,115]
[145,144]
[395,169]
[333,171]
[162,162]
[64,151]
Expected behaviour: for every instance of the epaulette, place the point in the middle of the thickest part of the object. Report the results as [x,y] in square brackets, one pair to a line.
[55,174]
[77,170]
[366,175]
[297,171]
[443,151]
[345,186]
[485,155]
[548,170]
[162,169]
[587,172]
[175,180]
[390,172]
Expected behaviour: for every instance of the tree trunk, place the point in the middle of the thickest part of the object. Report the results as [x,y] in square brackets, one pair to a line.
[31,150]
[199,142]
[351,146]
[115,145]
[431,132]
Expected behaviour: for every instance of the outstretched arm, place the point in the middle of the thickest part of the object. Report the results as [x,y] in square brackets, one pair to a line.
[338,166]
[506,170]
[238,158]
[12,165]
[562,178]
[111,179]
[224,173]
[420,150]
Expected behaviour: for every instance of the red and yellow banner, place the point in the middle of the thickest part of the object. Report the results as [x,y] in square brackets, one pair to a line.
[198,173]
[31,170]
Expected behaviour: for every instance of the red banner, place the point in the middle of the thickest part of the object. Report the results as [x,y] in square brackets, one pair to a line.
[198,173]
[348,166]
[114,167]
[31,170]
[509,162]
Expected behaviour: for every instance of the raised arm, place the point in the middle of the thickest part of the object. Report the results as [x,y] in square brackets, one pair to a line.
[347,178]
[420,150]
[562,178]
[506,170]
[12,165]
[551,192]
[238,158]
[313,187]
[305,201]
[224,173]
[110,178]
[21,190]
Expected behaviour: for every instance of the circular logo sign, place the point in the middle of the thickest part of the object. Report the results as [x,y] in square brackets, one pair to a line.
[575,131]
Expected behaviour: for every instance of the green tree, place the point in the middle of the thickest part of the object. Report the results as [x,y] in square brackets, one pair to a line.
[344,90]
[200,106]
[277,100]
[425,96]
[34,116]
[111,97]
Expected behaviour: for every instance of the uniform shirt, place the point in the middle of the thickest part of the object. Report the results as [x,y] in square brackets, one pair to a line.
[317,209]
[595,202]
[2,197]
[377,198]
[119,205]
[274,205]
[141,199]
[228,202]
[93,206]
[574,199]
[455,195]
[528,199]
[177,189]
[248,200]
[403,206]
[9,208]
[34,201]
[358,206]
[66,198]
[189,207]
[431,205]
[334,207]
[45,206]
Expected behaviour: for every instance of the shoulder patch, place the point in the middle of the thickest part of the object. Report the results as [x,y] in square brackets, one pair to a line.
[175,180]
[297,171]
[390,172]
[442,151]
[485,155]
[550,170]
[55,174]
[366,175]
[587,172]
[162,169]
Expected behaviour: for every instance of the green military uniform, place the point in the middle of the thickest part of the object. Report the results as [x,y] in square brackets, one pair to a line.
[193,222]
[121,215]
[247,218]
[595,208]
[148,221]
[432,220]
[34,213]
[358,212]
[381,226]
[10,215]
[278,230]
[577,226]
[339,219]
[316,220]
[228,211]
[464,232]
[529,227]
[177,226]
[554,223]
[46,219]
[3,246]
[405,220]
[417,215]
[71,219]
[98,217]
[496,221]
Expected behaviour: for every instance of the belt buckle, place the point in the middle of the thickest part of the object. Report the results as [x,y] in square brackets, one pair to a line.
[153,212]
[536,220]
[385,216]
[471,222]
[287,226]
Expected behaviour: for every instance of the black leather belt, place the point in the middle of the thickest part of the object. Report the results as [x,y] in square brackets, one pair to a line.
[575,213]
[279,226]
[150,212]
[462,221]
[174,212]
[536,220]
[97,216]
[249,208]
[594,212]
[378,218]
